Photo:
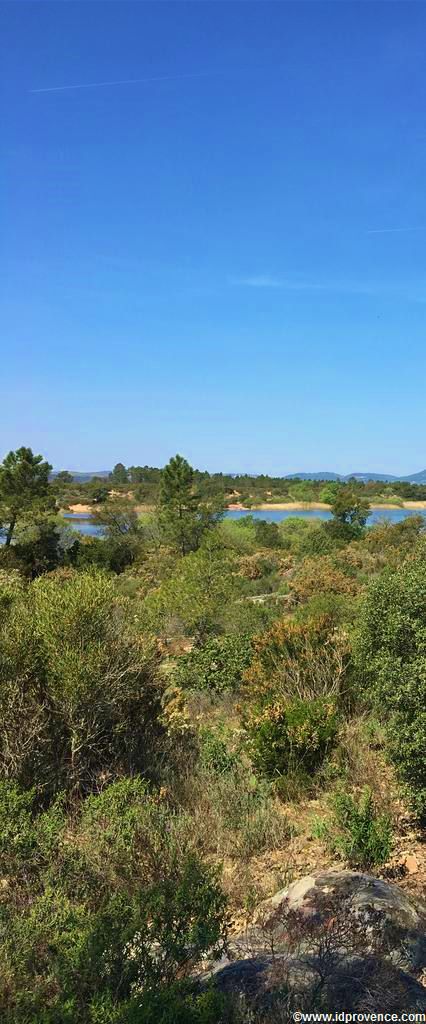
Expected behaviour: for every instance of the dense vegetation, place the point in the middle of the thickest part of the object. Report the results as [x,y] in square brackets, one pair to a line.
[144,484]
[173,696]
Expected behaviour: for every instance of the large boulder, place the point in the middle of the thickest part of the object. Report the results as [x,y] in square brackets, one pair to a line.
[374,914]
[272,988]
[337,940]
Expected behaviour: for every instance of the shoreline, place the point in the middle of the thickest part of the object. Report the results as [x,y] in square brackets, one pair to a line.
[282,506]
[307,506]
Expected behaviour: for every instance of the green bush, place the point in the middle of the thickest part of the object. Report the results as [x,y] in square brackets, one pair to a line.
[178,921]
[292,737]
[11,587]
[17,832]
[356,831]
[194,600]
[215,754]
[78,696]
[236,813]
[105,903]
[179,1005]
[391,661]
[217,666]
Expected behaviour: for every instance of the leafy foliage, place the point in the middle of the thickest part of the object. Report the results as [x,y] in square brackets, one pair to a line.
[217,666]
[184,517]
[303,659]
[391,658]
[357,831]
[77,691]
[24,488]
[114,904]
[294,737]
[195,599]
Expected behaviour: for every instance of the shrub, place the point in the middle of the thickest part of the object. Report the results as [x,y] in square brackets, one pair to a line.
[77,687]
[322,575]
[17,832]
[194,599]
[179,1005]
[304,538]
[234,813]
[357,831]
[129,835]
[339,609]
[11,587]
[108,902]
[215,754]
[179,920]
[304,660]
[391,661]
[218,665]
[292,737]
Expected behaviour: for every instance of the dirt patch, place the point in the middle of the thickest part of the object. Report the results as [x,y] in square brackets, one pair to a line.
[80,509]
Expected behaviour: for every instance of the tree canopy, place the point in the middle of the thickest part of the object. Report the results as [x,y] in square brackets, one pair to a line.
[24,488]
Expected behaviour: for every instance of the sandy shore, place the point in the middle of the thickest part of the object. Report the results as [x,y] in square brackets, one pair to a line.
[282,506]
[79,509]
[306,506]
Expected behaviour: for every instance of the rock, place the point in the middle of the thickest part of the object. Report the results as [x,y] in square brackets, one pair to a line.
[338,940]
[378,913]
[282,983]
[411,864]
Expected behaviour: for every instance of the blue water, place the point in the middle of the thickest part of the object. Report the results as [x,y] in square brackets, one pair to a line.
[82,521]
[393,515]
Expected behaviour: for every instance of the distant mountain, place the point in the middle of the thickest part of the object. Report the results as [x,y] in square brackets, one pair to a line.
[365,477]
[385,478]
[314,476]
[82,478]
[415,478]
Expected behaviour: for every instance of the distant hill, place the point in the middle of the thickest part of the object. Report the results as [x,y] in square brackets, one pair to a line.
[82,478]
[314,476]
[415,478]
[365,477]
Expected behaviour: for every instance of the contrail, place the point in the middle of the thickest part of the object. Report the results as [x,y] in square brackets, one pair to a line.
[386,231]
[125,81]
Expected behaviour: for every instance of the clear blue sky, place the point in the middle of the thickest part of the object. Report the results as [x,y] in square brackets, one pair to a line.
[226,259]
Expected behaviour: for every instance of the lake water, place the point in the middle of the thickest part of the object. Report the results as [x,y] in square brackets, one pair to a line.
[83,524]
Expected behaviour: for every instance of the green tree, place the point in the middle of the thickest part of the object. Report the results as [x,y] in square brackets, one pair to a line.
[349,509]
[24,489]
[119,475]
[196,598]
[99,493]
[63,477]
[184,517]
[329,492]
[44,545]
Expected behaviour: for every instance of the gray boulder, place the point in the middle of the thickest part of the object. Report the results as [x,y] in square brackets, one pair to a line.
[372,913]
[339,940]
[271,988]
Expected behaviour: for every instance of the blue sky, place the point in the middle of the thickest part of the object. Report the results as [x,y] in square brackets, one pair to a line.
[227,258]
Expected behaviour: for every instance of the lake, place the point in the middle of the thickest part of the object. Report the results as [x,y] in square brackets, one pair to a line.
[82,521]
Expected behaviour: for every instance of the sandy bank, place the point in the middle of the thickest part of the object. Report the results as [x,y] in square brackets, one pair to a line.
[295,506]
[306,506]
[281,506]
[79,509]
